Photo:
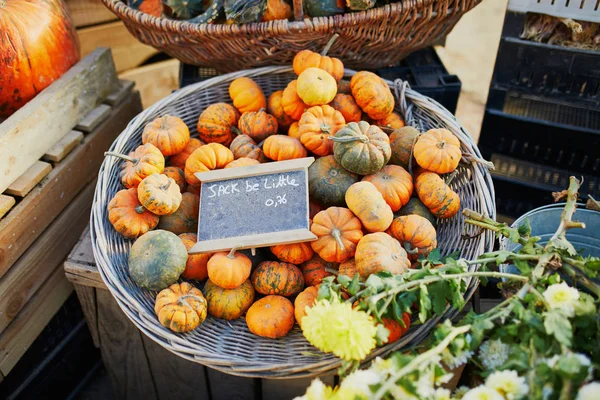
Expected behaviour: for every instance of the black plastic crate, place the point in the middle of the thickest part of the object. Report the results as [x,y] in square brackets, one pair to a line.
[423,70]
[514,199]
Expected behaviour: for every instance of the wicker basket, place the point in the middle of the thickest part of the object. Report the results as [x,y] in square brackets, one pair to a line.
[368,39]
[229,346]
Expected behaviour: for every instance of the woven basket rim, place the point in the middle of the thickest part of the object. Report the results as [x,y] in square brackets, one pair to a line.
[124,12]
[238,365]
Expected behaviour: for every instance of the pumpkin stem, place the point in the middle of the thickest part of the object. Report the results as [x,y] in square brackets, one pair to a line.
[236,131]
[231,254]
[409,249]
[140,209]
[121,156]
[347,139]
[325,128]
[329,44]
[441,144]
[182,302]
[332,271]
[337,235]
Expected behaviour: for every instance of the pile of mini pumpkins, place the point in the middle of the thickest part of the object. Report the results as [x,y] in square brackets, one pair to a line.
[362,204]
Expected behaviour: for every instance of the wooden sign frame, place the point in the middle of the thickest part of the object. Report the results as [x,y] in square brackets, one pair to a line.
[261,239]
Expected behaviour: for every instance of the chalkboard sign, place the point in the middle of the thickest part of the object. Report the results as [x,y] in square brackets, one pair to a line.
[255,206]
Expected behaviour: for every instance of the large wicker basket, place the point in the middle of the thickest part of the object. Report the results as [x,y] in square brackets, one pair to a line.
[374,38]
[229,346]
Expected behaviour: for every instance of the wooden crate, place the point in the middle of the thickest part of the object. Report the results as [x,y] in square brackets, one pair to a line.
[47,216]
[139,367]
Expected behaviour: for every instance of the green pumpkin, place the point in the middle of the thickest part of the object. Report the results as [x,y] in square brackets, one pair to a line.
[415,206]
[211,13]
[245,11]
[323,8]
[228,303]
[185,9]
[402,141]
[362,148]
[328,182]
[156,260]
[359,5]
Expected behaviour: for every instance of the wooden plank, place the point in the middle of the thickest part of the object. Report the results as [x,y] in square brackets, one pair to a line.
[28,219]
[87,299]
[24,183]
[117,96]
[154,81]
[230,387]
[64,146]
[39,124]
[89,12]
[167,368]
[34,267]
[24,329]
[86,275]
[123,351]
[94,118]
[127,51]
[6,203]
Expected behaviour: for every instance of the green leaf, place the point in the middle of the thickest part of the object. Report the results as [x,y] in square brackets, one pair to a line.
[440,292]
[354,286]
[435,256]
[563,244]
[525,228]
[452,256]
[479,327]
[558,325]
[424,303]
[585,305]
[523,266]
[344,280]
[375,282]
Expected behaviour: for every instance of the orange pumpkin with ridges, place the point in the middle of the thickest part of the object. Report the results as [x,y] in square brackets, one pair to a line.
[392,122]
[196,266]
[437,196]
[275,108]
[178,160]
[292,103]
[315,269]
[307,298]
[245,146]
[216,122]
[295,253]
[271,317]
[380,252]
[258,125]
[272,277]
[372,95]
[415,233]
[242,162]
[294,130]
[338,231]
[402,142]
[395,185]
[144,161]
[347,106]
[159,194]
[128,216]
[229,270]
[369,206]
[247,95]
[207,158]
[281,147]
[185,219]
[181,307]
[228,304]
[309,59]
[438,150]
[316,125]
[169,134]
[177,175]
[348,268]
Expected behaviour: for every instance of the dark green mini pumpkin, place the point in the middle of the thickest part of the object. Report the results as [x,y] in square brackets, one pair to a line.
[323,8]
[185,9]
[210,14]
[328,182]
[157,259]
[245,11]
[358,5]
[415,206]
[361,148]
[185,219]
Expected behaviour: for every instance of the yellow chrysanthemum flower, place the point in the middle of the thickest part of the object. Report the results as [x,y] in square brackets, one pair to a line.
[339,329]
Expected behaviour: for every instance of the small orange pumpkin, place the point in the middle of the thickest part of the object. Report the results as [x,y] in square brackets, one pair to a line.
[344,87]
[258,125]
[281,147]
[402,142]
[292,103]
[275,108]
[315,269]
[415,233]
[316,87]
[159,194]
[277,9]
[365,201]
[196,266]
[207,158]
[395,185]
[177,175]
[128,216]
[437,196]
[391,122]
[397,330]
[247,95]
[338,232]
[245,146]
[271,317]
[294,130]
[348,268]
[228,304]
[242,162]
[216,122]
[180,307]
[380,252]
[346,105]
[144,161]
[178,160]
[185,219]
[309,59]
[372,95]
[307,298]
[294,253]
[169,134]
[272,277]
[229,270]
[438,150]
[316,125]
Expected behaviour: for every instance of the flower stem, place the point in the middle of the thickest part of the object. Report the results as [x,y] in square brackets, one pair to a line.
[566,218]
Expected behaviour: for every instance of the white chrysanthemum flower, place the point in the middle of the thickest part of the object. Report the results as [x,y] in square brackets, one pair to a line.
[482,393]
[591,391]
[383,367]
[460,392]
[455,361]
[441,394]
[360,380]
[440,380]
[508,383]
[561,295]
[425,384]
[316,391]
[398,392]
[583,360]
[493,353]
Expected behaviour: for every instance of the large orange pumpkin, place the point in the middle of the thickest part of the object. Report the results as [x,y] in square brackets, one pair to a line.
[395,185]
[228,304]
[315,269]
[346,105]
[348,268]
[438,150]
[245,146]
[271,317]
[229,269]
[365,201]
[169,134]
[316,125]
[206,158]
[38,45]
[272,277]
[258,125]
[441,200]
[144,161]
[372,95]
[185,219]
[294,253]
[415,233]
[128,216]
[281,147]
[178,160]
[275,108]
[216,122]
[307,298]
[242,162]
[338,232]
[380,252]
[247,95]
[197,264]
[292,103]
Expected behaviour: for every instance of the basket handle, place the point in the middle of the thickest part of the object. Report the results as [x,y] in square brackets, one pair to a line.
[298,10]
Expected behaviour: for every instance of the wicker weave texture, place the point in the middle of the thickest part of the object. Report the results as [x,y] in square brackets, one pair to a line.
[368,39]
[229,346]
